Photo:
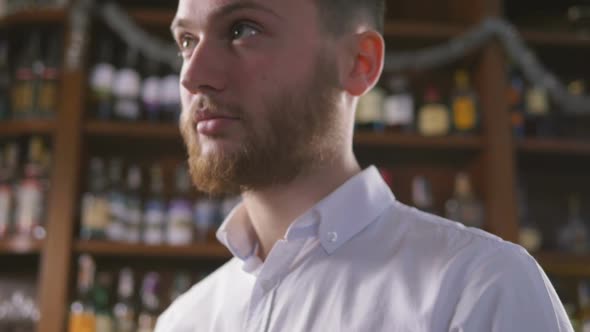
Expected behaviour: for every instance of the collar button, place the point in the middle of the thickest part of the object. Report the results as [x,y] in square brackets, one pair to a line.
[332,237]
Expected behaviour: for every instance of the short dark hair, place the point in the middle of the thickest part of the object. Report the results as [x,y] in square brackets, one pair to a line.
[338,16]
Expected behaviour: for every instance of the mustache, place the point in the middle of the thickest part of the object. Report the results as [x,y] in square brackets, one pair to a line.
[209,105]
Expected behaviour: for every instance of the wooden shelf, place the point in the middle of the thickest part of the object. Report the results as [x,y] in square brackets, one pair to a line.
[98,128]
[565,264]
[368,139]
[152,17]
[102,248]
[36,16]
[20,246]
[26,127]
[544,38]
[422,30]
[554,146]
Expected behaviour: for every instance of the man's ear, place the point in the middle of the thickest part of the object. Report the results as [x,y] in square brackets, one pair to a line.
[365,62]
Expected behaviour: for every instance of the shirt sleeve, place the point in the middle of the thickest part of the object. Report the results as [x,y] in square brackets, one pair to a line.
[507,291]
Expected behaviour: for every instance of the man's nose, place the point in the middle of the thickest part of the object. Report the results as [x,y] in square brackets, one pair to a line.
[204,71]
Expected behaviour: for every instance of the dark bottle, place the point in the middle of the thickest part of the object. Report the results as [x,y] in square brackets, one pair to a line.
[180,218]
[49,80]
[150,92]
[465,207]
[181,284]
[102,77]
[155,209]
[95,203]
[26,82]
[116,230]
[150,303]
[102,302]
[6,192]
[124,310]
[133,204]
[127,88]
[5,82]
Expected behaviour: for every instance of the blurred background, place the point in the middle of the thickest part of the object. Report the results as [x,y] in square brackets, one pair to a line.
[100,228]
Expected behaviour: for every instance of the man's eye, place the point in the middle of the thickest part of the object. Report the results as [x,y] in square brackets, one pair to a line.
[186,42]
[243,30]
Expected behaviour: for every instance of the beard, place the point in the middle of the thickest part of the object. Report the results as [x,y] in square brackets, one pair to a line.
[299,132]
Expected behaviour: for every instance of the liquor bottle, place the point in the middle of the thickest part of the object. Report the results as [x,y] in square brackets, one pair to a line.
[116,230]
[127,88]
[369,112]
[25,88]
[464,206]
[8,170]
[529,235]
[433,117]
[573,237]
[95,204]
[49,80]
[102,302]
[102,77]
[155,209]
[30,198]
[422,194]
[150,92]
[5,82]
[516,105]
[133,206]
[180,219]
[398,115]
[464,105]
[537,117]
[205,217]
[150,303]
[124,309]
[82,313]
[181,284]
[170,97]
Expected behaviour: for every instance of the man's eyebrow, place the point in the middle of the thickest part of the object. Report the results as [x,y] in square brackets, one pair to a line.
[226,10]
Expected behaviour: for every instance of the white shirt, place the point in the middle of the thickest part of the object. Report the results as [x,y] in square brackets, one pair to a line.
[361,261]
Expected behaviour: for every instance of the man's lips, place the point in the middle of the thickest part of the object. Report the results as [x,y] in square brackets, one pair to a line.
[213,124]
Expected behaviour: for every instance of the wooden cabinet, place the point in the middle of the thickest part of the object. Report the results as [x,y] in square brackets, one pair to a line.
[494,158]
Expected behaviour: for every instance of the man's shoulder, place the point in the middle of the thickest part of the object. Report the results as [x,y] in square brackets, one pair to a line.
[198,302]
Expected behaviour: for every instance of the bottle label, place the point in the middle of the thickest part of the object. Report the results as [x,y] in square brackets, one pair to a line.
[102,78]
[434,121]
[22,98]
[82,322]
[48,97]
[104,323]
[537,103]
[370,107]
[399,110]
[95,212]
[464,114]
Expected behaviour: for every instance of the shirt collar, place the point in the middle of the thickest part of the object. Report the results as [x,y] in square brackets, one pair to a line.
[335,219]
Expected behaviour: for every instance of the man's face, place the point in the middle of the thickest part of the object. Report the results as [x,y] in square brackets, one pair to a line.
[258,92]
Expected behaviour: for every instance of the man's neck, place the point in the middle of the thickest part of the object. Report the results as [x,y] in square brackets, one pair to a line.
[272,210]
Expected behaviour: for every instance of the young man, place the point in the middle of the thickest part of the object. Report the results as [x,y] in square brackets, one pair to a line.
[269,89]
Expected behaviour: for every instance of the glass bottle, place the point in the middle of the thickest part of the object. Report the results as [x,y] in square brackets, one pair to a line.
[170,97]
[133,208]
[25,86]
[398,115]
[127,88]
[155,209]
[82,312]
[181,284]
[102,77]
[124,309]
[464,206]
[5,82]
[433,117]
[516,104]
[102,302]
[573,237]
[8,167]
[369,112]
[95,204]
[49,79]
[150,92]
[537,120]
[422,194]
[150,303]
[180,219]
[464,105]
[206,212]
[117,229]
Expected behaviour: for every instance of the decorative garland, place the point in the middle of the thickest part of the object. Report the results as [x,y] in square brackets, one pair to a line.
[120,22]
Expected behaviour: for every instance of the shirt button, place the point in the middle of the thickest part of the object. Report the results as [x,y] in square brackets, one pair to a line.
[332,237]
[268,284]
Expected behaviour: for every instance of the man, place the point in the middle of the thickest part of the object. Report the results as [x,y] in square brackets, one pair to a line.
[269,89]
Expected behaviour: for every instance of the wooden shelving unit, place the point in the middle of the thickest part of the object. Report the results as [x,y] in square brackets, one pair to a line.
[204,250]
[491,156]
[26,127]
